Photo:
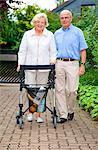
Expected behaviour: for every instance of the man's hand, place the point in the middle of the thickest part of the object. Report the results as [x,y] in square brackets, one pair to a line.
[82,69]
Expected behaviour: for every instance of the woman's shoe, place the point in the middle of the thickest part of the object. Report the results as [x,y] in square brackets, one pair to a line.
[40,120]
[30,117]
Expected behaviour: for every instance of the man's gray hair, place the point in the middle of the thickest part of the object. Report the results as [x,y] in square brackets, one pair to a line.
[66,11]
[38,16]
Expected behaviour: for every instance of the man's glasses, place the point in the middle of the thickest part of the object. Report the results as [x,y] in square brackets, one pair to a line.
[62,18]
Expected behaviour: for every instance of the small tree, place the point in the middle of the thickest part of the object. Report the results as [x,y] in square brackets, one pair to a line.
[89,24]
[13,30]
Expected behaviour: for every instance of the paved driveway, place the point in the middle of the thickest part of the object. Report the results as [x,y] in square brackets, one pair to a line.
[79,134]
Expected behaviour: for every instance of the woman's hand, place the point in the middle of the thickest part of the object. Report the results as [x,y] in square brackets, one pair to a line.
[52,61]
[18,68]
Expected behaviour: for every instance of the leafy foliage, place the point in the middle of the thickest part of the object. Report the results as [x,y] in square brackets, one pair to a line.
[9,31]
[89,24]
[88,89]
[90,77]
[54,22]
[88,99]
[13,29]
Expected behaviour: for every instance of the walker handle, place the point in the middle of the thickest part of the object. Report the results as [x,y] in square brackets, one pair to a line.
[37,67]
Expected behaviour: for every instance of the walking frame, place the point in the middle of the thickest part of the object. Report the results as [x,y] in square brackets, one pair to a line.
[38,94]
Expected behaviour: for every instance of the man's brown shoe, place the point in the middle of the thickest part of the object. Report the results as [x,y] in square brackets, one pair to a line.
[70,116]
[61,120]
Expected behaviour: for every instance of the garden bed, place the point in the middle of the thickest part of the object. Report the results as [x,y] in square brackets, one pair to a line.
[88,92]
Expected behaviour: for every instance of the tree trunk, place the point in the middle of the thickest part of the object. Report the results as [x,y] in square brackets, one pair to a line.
[3,5]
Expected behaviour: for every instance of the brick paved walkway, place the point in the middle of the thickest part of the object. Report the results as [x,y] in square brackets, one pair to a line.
[79,134]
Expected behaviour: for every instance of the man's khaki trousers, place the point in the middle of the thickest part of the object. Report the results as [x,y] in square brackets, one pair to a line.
[67,81]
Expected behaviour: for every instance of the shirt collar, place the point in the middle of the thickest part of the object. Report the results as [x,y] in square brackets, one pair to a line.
[45,33]
[67,28]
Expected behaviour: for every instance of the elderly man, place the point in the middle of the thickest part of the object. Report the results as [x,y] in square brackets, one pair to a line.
[71,48]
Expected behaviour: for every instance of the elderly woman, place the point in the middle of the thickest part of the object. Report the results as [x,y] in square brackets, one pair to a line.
[37,48]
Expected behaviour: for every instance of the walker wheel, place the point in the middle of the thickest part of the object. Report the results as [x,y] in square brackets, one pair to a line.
[21,123]
[17,118]
[54,121]
[54,117]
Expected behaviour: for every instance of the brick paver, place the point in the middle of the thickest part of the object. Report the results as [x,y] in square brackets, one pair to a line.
[79,134]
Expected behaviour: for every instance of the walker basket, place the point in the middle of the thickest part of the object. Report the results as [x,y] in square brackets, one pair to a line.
[33,107]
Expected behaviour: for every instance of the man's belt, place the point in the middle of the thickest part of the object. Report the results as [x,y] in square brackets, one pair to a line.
[66,59]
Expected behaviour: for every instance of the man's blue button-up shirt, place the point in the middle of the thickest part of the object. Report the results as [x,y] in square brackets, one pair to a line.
[69,42]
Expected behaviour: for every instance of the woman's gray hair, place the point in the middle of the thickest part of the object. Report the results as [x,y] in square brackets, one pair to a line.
[38,16]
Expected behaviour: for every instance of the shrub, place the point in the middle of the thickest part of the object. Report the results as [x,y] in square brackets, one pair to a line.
[89,24]
[88,99]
